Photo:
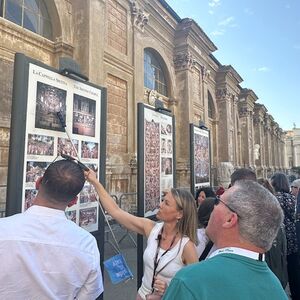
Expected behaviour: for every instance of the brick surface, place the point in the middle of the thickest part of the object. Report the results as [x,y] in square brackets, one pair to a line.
[117,126]
[117,26]
[3,176]
[6,76]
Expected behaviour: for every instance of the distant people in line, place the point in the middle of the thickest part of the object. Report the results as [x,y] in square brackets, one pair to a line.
[298,223]
[287,202]
[204,244]
[202,193]
[295,187]
[43,254]
[276,256]
[220,191]
[243,225]
[266,183]
[242,174]
[171,242]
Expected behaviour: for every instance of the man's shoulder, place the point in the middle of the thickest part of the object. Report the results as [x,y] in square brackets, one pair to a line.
[200,269]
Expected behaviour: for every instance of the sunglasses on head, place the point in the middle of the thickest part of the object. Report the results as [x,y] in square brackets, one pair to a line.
[80,164]
[71,158]
[218,201]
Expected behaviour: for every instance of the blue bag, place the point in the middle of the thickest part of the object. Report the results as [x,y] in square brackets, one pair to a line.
[117,269]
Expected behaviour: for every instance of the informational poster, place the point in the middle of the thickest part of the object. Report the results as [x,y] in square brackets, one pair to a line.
[156,148]
[200,157]
[80,105]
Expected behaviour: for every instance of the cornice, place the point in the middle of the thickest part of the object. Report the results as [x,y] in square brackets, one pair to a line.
[16,33]
[189,28]
[228,69]
[114,61]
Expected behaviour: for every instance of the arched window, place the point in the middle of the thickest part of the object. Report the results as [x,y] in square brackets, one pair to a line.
[211,110]
[30,14]
[154,78]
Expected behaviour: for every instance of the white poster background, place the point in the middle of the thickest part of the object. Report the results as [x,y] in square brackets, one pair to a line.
[47,77]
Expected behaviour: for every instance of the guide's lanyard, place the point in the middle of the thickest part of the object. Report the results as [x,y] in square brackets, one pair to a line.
[156,259]
[239,251]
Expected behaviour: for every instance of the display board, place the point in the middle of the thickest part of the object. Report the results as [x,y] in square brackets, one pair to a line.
[38,137]
[156,165]
[156,157]
[200,157]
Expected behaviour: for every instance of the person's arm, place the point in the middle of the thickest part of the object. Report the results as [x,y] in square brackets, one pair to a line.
[137,224]
[189,254]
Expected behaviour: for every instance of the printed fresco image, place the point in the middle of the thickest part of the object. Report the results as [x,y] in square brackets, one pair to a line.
[201,158]
[84,116]
[152,165]
[65,146]
[89,150]
[29,197]
[87,216]
[87,194]
[34,170]
[71,215]
[40,144]
[166,165]
[166,129]
[49,101]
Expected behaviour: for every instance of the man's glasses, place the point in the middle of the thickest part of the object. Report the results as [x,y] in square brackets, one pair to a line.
[294,187]
[218,200]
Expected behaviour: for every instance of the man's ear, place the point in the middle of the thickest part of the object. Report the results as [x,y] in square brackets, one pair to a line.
[38,182]
[231,220]
[73,202]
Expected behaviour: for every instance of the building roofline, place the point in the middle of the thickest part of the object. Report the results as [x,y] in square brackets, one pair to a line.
[170,10]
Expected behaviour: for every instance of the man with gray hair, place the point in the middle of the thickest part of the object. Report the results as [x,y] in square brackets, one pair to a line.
[243,225]
[295,187]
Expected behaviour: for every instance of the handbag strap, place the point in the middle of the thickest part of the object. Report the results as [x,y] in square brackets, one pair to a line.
[157,272]
[206,250]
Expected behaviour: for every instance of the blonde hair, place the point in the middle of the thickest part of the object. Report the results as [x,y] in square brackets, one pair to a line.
[187,225]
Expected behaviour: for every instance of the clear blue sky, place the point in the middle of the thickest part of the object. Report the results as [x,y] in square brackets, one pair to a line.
[261,40]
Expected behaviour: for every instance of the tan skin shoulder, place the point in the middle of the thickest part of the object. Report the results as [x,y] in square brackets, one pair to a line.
[189,254]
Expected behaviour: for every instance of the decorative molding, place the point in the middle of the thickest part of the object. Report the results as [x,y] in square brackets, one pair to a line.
[140,17]
[244,112]
[152,96]
[133,161]
[205,73]
[184,60]
[223,94]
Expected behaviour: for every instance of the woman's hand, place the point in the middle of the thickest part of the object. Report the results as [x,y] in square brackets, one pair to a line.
[90,176]
[160,286]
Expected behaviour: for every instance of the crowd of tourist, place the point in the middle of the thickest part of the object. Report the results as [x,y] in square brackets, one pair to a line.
[238,242]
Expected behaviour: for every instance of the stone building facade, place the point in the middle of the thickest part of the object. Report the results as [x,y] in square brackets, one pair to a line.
[292,144]
[119,44]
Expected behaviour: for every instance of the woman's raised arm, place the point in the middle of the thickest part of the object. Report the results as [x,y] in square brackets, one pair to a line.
[137,224]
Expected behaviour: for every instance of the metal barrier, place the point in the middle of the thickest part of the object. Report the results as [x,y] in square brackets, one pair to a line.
[131,209]
[2,213]
[113,226]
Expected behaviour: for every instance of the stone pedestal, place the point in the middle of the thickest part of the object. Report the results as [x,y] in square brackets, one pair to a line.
[225,169]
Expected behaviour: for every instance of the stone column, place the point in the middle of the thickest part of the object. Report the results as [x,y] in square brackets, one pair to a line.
[184,63]
[224,108]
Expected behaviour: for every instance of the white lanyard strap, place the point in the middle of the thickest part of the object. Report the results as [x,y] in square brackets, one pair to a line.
[239,251]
